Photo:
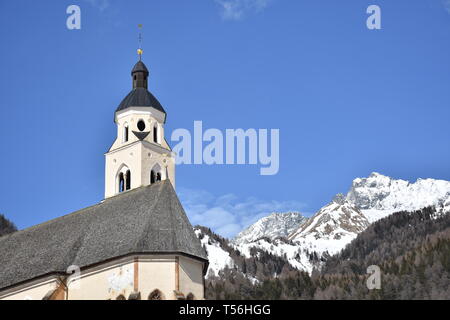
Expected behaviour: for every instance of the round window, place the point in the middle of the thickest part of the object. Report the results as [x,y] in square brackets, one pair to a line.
[141,125]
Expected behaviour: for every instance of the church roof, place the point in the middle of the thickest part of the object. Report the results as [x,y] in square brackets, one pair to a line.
[145,220]
[140,97]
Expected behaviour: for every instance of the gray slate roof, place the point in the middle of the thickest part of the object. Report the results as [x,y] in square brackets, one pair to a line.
[144,220]
[140,97]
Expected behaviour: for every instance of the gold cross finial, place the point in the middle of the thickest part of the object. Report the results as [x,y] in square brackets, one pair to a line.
[140,51]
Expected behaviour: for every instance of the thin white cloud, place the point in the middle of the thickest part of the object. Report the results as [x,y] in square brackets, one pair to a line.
[229,214]
[446,4]
[237,9]
[101,5]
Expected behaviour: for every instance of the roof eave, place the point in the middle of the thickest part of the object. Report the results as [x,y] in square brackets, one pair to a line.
[160,116]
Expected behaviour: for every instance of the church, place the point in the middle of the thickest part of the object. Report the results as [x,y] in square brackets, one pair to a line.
[136,244]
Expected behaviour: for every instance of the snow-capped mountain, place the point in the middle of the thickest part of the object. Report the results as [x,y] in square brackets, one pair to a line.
[333,227]
[379,196]
[369,199]
[276,225]
[304,241]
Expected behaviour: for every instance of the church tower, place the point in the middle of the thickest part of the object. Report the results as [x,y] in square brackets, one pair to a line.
[136,244]
[140,154]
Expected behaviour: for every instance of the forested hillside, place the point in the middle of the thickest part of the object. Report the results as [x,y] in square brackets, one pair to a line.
[412,250]
[6,226]
[261,265]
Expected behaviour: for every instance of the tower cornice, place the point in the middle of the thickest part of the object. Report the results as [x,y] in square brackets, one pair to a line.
[152,146]
[157,114]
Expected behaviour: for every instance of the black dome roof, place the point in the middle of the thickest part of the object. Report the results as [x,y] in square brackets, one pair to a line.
[139,67]
[140,97]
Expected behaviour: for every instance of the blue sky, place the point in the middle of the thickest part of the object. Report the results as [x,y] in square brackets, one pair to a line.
[347,100]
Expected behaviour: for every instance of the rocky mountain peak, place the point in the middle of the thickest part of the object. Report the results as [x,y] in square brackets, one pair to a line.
[276,225]
[331,227]
[339,199]
[382,193]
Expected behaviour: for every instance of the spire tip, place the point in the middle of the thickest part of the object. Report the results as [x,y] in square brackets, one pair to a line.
[140,51]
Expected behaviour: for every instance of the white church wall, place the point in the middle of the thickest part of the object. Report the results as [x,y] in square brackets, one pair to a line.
[33,291]
[191,277]
[131,118]
[157,272]
[151,158]
[154,272]
[131,157]
[105,282]
[145,273]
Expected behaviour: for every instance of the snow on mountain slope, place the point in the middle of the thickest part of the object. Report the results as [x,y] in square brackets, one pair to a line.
[379,196]
[297,257]
[218,258]
[273,226]
[333,227]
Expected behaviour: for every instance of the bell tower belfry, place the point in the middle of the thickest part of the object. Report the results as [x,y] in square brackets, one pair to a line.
[140,154]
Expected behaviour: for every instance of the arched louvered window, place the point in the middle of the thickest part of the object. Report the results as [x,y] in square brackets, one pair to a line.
[152,177]
[155,134]
[190,296]
[155,174]
[123,179]
[121,182]
[125,133]
[128,180]
[156,295]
